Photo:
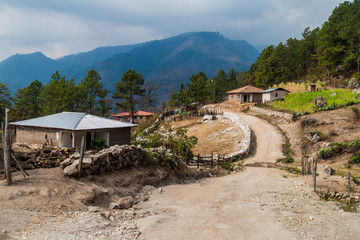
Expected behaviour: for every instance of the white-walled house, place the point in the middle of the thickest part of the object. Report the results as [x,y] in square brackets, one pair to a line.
[273,94]
[67,128]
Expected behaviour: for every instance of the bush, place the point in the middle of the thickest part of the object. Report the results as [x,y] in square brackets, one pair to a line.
[227,165]
[338,147]
[355,159]
[314,131]
[288,159]
[98,144]
[350,103]
[325,152]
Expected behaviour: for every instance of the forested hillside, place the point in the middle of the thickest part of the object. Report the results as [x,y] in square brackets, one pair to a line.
[329,51]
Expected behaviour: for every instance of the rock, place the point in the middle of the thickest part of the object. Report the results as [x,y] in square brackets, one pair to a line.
[311,218]
[328,170]
[208,117]
[123,203]
[66,162]
[71,170]
[160,190]
[333,94]
[357,97]
[353,84]
[92,209]
[315,138]
[356,91]
[114,206]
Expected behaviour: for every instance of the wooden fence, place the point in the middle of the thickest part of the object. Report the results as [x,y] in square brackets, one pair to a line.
[207,161]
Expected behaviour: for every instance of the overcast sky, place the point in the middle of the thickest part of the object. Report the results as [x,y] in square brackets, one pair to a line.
[59,28]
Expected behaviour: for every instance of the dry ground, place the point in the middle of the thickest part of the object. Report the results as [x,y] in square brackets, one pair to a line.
[213,136]
[257,203]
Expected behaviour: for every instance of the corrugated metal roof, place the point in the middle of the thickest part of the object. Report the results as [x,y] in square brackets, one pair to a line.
[73,121]
[246,89]
[274,89]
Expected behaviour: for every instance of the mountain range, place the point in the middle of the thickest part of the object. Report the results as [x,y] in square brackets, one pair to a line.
[169,61]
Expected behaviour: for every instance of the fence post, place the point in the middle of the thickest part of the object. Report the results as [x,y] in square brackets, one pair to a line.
[212,158]
[349,177]
[314,163]
[198,161]
[6,146]
[82,151]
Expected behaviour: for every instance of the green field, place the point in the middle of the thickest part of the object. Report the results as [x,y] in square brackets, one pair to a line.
[303,102]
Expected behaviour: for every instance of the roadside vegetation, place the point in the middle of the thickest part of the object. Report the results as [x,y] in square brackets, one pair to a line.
[302,102]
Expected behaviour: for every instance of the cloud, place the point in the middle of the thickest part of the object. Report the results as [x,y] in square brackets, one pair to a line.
[57,28]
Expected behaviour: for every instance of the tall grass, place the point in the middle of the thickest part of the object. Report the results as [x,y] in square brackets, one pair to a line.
[299,87]
[303,102]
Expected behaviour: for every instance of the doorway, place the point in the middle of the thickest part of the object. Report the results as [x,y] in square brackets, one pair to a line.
[88,140]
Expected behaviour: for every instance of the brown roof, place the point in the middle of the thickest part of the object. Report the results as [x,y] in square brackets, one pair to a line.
[247,89]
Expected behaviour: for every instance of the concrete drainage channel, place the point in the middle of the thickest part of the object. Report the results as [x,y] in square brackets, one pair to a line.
[247,133]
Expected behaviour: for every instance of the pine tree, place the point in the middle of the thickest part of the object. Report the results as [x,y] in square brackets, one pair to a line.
[129,87]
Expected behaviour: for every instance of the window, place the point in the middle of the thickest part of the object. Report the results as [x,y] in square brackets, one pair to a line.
[276,95]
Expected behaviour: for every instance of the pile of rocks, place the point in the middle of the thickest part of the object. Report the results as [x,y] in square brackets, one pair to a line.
[114,158]
[107,160]
[353,198]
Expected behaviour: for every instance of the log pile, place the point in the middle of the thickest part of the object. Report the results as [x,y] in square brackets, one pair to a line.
[45,158]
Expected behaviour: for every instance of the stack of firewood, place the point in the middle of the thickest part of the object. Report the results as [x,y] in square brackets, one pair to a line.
[45,158]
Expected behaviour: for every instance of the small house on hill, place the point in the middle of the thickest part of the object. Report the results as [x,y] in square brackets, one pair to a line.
[273,94]
[245,94]
[66,129]
[138,116]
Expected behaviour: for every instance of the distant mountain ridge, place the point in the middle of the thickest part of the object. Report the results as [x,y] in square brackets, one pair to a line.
[169,61]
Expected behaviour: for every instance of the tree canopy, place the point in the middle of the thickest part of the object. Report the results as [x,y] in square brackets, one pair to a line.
[129,87]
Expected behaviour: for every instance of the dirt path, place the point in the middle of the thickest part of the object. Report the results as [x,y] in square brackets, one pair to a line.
[258,203]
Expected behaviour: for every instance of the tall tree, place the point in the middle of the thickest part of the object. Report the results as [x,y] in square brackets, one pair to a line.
[27,102]
[232,82]
[129,87]
[92,90]
[197,89]
[105,105]
[4,99]
[148,101]
[218,86]
[60,95]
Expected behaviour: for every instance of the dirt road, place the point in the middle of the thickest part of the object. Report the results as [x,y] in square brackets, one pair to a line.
[258,203]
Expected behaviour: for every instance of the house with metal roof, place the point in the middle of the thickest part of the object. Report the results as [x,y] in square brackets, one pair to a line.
[273,94]
[245,94]
[66,129]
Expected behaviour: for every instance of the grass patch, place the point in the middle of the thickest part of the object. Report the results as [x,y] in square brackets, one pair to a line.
[303,102]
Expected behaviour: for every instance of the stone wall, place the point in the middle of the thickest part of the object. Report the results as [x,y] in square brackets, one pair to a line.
[112,159]
[247,135]
[286,116]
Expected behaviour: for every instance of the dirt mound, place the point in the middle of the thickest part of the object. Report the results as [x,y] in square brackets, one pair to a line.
[49,191]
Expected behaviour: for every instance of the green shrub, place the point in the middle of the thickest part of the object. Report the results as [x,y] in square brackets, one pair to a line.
[325,152]
[338,147]
[98,144]
[350,103]
[227,165]
[355,159]
[314,131]
[288,159]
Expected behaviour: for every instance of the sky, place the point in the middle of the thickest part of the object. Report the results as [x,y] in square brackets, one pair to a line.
[58,28]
